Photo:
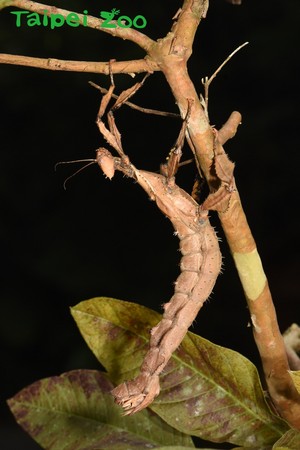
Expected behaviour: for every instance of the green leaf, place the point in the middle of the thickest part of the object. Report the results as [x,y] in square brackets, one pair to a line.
[289,441]
[178,448]
[184,448]
[117,332]
[76,411]
[206,390]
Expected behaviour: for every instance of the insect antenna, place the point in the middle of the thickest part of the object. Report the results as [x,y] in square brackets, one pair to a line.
[90,162]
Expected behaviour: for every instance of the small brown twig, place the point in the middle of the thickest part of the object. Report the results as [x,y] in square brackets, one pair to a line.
[136,107]
[207,81]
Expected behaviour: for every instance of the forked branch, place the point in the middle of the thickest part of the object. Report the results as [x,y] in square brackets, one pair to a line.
[207,81]
[130,67]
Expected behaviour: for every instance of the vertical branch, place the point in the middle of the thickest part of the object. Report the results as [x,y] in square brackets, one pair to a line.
[171,54]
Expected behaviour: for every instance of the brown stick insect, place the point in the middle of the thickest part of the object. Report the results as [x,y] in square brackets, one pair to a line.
[200,263]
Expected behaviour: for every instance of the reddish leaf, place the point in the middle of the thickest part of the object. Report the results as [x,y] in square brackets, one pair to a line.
[75,411]
[207,390]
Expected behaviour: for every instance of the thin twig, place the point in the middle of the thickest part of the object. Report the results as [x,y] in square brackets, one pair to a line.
[186,162]
[134,106]
[207,81]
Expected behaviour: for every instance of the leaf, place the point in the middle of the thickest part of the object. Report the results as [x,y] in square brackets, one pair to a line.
[253,448]
[185,448]
[295,374]
[76,411]
[179,448]
[289,441]
[206,390]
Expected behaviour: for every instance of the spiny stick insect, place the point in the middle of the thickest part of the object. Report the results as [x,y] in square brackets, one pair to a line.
[200,263]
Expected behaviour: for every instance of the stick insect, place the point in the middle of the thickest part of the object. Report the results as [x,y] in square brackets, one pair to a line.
[200,263]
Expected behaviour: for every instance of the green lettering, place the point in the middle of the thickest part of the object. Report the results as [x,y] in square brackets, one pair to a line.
[73,20]
[84,22]
[57,20]
[33,19]
[143,20]
[18,18]
[45,18]
[106,23]
[121,22]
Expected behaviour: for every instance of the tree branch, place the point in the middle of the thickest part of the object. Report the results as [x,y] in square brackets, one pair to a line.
[229,129]
[172,54]
[130,67]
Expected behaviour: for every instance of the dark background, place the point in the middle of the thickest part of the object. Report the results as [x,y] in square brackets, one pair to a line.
[101,238]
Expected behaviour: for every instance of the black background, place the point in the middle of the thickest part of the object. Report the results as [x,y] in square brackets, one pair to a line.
[102,238]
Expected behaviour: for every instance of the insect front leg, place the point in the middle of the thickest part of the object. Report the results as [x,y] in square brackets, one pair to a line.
[107,97]
[111,133]
[170,167]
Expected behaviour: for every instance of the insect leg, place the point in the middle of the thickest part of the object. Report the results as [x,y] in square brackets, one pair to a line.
[170,167]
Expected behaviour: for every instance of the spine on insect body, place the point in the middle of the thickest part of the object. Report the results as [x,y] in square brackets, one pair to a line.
[200,265]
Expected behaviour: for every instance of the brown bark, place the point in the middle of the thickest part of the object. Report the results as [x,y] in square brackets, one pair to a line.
[130,67]
[171,54]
